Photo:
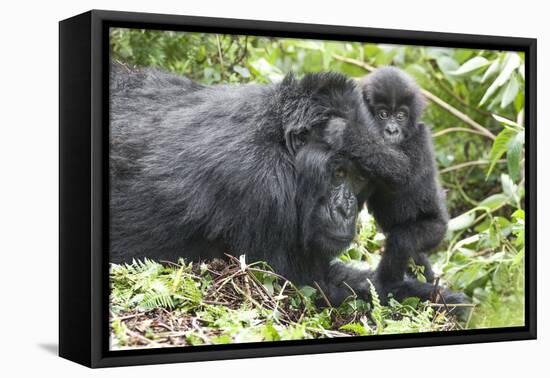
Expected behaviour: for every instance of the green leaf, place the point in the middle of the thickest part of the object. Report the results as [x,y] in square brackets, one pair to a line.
[510,64]
[501,277]
[243,71]
[509,188]
[515,147]
[472,274]
[462,221]
[492,89]
[270,333]
[310,44]
[437,52]
[471,65]
[356,328]
[492,70]
[411,301]
[354,254]
[494,201]
[507,122]
[519,214]
[447,64]
[466,242]
[308,291]
[499,148]
[510,92]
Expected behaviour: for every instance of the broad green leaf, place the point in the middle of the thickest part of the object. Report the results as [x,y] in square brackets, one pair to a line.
[509,188]
[492,89]
[464,242]
[264,68]
[355,254]
[507,122]
[471,65]
[243,71]
[483,225]
[411,301]
[471,274]
[386,55]
[462,221]
[447,64]
[510,64]
[494,201]
[492,70]
[501,277]
[357,328]
[515,147]
[270,333]
[519,214]
[499,147]
[510,92]
[267,283]
[371,49]
[462,55]
[310,45]
[308,291]
[221,339]
[437,52]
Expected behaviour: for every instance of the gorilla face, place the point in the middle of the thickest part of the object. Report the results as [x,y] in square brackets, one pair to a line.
[394,101]
[337,212]
[392,121]
[327,191]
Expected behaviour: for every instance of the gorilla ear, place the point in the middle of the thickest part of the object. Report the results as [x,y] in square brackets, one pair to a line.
[334,133]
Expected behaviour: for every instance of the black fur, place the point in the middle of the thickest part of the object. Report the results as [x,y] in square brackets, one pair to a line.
[412,214]
[199,171]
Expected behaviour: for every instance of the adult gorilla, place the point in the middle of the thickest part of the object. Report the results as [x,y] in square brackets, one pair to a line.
[199,171]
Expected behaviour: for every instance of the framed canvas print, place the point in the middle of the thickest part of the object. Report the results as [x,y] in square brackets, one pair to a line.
[234,188]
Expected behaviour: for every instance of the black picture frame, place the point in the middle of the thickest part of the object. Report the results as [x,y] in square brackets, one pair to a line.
[83,182]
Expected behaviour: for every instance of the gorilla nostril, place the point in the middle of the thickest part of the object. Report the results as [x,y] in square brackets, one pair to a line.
[346,211]
[338,211]
[343,212]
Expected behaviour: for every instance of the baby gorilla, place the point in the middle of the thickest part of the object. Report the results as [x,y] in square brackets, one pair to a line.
[328,185]
[413,214]
[327,188]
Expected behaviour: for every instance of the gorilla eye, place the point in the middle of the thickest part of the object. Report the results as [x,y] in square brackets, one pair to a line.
[383,114]
[401,116]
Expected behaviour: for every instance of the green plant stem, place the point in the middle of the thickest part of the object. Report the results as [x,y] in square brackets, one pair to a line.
[468,164]
[456,129]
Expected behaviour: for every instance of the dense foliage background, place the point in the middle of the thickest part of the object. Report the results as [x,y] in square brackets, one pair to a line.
[476,113]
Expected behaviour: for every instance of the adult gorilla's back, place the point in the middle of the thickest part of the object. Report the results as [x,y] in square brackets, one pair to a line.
[198,171]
